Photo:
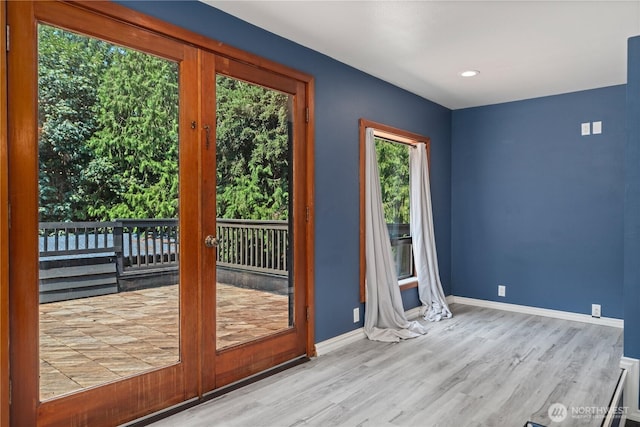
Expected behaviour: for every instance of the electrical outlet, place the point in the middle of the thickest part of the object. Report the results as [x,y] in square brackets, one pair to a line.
[502,291]
[356,315]
[595,310]
[597,127]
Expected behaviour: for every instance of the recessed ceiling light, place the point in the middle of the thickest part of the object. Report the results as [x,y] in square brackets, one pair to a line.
[470,73]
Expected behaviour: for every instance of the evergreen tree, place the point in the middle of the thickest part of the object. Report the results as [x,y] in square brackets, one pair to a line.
[393,166]
[253,151]
[70,68]
[134,172]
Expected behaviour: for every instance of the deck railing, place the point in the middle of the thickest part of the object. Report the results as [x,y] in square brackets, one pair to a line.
[255,245]
[73,238]
[140,244]
[146,243]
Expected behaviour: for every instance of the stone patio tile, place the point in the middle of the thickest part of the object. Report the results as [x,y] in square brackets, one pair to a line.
[90,341]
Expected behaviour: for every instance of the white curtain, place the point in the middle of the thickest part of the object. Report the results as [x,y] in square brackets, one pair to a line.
[434,304]
[384,318]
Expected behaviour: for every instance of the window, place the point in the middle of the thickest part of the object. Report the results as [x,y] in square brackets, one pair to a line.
[393,165]
[392,152]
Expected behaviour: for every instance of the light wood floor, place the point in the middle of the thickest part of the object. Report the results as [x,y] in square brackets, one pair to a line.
[483,367]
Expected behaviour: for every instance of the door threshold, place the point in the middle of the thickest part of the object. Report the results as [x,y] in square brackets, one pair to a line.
[182,406]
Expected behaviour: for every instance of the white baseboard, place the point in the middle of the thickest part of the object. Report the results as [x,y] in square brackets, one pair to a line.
[631,387]
[565,315]
[333,344]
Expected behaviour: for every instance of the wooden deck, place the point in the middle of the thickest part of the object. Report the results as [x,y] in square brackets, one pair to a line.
[89,341]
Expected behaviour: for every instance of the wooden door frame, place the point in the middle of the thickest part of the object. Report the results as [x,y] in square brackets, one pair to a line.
[4,230]
[19,111]
[24,410]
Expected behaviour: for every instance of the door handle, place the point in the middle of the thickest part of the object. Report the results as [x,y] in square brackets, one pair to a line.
[211,241]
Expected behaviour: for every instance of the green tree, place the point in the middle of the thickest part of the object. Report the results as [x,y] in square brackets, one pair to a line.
[393,166]
[109,136]
[134,171]
[70,68]
[252,151]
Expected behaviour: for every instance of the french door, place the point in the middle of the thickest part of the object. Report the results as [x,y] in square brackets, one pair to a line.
[255,303]
[160,198]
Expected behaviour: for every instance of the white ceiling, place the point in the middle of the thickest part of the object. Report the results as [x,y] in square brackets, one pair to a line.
[523,49]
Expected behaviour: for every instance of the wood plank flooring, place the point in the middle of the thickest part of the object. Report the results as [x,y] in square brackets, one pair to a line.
[482,368]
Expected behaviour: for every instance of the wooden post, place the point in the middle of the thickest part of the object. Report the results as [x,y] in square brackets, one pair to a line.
[118,249]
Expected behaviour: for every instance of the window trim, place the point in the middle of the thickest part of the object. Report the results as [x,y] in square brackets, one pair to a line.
[393,134]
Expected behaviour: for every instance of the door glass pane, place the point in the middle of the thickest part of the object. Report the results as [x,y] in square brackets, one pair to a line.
[253,154]
[108,211]
[393,164]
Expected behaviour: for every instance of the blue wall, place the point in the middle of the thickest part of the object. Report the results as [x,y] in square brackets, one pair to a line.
[343,95]
[632,206]
[538,207]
